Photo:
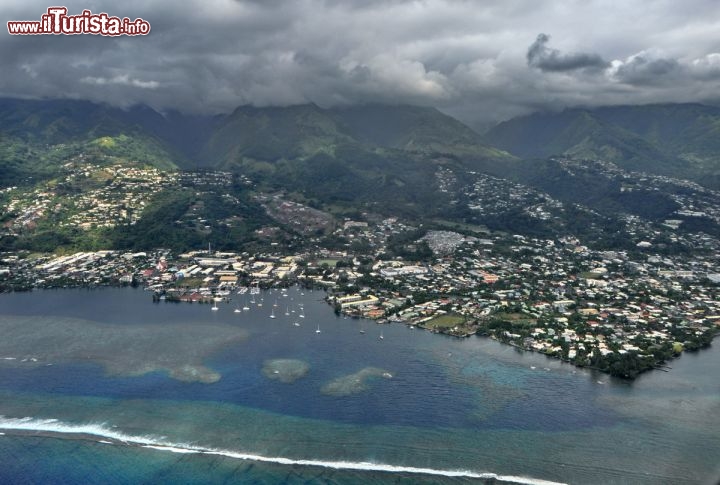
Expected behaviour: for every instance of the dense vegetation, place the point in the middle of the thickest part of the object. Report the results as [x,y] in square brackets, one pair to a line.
[672,139]
[593,188]
[173,221]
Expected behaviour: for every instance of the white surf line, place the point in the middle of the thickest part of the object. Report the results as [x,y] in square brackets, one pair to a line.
[55,426]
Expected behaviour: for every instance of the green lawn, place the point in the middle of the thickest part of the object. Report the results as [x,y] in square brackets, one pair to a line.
[445,321]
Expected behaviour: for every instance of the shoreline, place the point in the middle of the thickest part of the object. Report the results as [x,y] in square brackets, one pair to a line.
[660,365]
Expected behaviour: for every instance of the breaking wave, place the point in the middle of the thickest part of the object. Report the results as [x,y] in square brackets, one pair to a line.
[54,426]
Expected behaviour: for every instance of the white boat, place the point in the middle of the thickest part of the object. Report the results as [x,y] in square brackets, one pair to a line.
[381,335]
[287,311]
[214,307]
[297,324]
[318,329]
[272,313]
[237,309]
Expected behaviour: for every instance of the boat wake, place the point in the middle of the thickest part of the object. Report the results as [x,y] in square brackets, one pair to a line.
[94,431]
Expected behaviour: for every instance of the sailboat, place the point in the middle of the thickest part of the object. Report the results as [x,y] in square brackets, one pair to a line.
[381,335]
[237,309]
[245,306]
[214,307]
[302,312]
[318,329]
[287,310]
[272,313]
[297,324]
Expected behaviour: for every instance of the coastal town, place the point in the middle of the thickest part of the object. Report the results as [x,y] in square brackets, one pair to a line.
[623,311]
[617,312]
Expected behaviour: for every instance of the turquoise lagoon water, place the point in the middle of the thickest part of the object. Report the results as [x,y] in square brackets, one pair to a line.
[104,386]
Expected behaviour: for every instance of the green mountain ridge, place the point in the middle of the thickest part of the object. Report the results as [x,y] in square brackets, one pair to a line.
[246,137]
[375,157]
[272,134]
[296,132]
[366,154]
[671,139]
[411,162]
[668,139]
[36,136]
[415,129]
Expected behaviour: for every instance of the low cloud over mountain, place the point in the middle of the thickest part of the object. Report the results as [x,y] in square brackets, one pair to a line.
[482,62]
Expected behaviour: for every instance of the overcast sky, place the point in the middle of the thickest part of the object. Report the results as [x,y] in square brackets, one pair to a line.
[478,60]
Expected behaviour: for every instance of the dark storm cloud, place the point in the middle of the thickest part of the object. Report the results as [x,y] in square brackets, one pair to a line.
[468,58]
[547,59]
[643,71]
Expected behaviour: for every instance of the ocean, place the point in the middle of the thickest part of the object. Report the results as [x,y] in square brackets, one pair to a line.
[105,386]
